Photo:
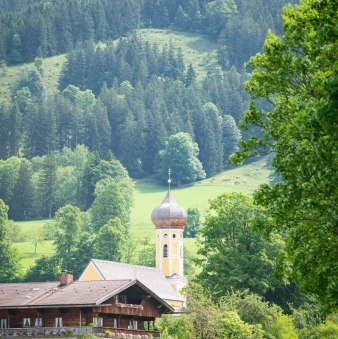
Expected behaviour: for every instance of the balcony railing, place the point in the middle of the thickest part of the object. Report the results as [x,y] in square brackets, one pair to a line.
[74,331]
[120,332]
[44,331]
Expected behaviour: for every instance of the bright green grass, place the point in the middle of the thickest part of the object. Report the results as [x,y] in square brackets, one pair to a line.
[26,250]
[51,71]
[148,195]
[197,49]
[32,225]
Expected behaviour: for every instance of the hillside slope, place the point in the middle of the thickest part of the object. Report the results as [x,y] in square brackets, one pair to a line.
[197,49]
[147,195]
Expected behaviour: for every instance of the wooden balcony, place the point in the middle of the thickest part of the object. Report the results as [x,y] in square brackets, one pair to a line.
[45,332]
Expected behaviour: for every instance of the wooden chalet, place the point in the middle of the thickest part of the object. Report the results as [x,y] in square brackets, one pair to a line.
[52,308]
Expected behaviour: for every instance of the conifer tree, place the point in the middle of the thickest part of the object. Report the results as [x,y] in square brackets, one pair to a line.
[23,193]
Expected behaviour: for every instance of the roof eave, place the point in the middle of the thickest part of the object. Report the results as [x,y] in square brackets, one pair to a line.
[50,306]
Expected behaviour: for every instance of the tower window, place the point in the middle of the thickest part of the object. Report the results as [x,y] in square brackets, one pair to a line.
[174,235]
[165,251]
[165,236]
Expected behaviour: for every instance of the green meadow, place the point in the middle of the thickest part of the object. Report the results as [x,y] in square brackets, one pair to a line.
[147,195]
[196,49]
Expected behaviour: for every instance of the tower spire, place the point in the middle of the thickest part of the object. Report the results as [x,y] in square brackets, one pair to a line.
[169,178]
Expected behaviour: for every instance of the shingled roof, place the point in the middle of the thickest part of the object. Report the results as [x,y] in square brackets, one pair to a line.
[150,277]
[78,293]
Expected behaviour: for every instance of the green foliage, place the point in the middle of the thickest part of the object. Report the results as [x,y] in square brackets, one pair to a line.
[232,326]
[217,12]
[107,333]
[83,253]
[37,237]
[58,31]
[109,239]
[68,333]
[180,155]
[233,255]
[68,220]
[283,328]
[211,320]
[251,308]
[15,234]
[297,74]
[208,131]
[193,223]
[146,256]
[173,327]
[10,268]
[231,137]
[45,269]
[328,329]
[87,336]
[113,200]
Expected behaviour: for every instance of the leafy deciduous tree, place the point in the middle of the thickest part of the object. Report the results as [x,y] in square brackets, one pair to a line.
[10,267]
[234,256]
[180,155]
[297,75]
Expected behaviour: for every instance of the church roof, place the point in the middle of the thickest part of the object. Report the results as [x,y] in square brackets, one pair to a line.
[150,277]
[169,213]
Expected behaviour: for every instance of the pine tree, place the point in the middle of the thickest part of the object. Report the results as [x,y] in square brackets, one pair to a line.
[208,131]
[47,185]
[23,192]
[190,76]
[231,137]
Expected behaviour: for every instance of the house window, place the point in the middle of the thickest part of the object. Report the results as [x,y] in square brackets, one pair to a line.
[165,251]
[165,236]
[38,322]
[132,325]
[115,323]
[121,298]
[3,323]
[58,322]
[174,236]
[26,322]
[98,321]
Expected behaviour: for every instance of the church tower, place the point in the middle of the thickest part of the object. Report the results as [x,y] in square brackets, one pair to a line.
[169,218]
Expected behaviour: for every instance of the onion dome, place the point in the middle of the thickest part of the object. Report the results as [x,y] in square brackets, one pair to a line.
[169,214]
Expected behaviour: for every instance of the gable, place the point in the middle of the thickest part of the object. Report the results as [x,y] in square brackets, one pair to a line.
[91,273]
[150,277]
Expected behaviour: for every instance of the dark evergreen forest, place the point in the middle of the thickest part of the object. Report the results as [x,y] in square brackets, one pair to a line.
[31,28]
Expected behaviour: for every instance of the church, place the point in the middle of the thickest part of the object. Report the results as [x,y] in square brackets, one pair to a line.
[123,299]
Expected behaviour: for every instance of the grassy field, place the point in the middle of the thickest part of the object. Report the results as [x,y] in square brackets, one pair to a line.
[148,195]
[197,50]
[51,71]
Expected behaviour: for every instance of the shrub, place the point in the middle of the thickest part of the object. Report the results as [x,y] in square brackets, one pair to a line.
[87,336]
[68,333]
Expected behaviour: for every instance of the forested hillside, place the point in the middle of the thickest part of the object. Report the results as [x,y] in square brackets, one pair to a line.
[98,93]
[125,98]
[47,28]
